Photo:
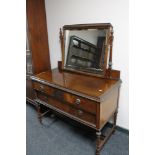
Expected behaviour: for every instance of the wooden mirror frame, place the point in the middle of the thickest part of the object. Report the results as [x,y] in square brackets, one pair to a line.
[108,49]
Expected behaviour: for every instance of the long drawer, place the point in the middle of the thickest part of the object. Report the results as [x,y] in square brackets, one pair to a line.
[76,112]
[77,101]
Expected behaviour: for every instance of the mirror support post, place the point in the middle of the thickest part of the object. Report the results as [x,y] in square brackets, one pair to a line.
[62,47]
[111,38]
[111,47]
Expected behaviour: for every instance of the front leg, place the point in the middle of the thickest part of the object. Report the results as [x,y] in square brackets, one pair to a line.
[98,140]
[114,121]
[39,113]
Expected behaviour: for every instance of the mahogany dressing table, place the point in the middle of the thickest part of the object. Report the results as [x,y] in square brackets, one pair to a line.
[83,88]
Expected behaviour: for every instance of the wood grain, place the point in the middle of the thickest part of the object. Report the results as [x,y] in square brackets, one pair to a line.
[90,86]
[38,41]
[68,109]
[37,27]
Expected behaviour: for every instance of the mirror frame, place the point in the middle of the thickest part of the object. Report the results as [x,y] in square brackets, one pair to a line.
[108,49]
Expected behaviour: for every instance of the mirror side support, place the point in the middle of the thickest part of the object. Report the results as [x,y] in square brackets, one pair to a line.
[61,37]
[111,38]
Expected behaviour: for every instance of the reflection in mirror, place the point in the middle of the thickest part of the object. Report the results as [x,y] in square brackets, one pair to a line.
[85,49]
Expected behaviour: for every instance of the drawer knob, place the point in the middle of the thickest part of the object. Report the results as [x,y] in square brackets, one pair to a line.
[77,101]
[41,87]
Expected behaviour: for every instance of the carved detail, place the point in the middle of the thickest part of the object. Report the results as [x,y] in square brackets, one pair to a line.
[102,139]
[98,134]
[111,38]
[62,47]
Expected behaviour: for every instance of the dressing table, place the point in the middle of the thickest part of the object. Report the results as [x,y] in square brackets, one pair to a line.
[84,87]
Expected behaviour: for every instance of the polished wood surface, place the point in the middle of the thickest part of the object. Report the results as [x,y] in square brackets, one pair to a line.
[108,107]
[76,83]
[37,27]
[90,94]
[68,98]
[38,41]
[76,112]
[29,90]
[90,100]
[87,26]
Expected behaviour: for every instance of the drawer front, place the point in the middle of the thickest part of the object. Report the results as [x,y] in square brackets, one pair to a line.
[81,103]
[78,113]
[43,88]
[77,101]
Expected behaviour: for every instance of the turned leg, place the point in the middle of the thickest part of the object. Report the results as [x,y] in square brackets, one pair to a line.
[102,139]
[98,135]
[39,113]
[114,121]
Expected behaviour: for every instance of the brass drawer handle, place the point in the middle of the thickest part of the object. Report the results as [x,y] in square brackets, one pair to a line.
[78,101]
[80,112]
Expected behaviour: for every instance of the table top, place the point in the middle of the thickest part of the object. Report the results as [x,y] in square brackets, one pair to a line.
[79,83]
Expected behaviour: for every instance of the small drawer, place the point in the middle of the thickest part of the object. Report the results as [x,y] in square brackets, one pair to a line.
[83,115]
[74,100]
[66,108]
[52,101]
[81,103]
[42,97]
[43,88]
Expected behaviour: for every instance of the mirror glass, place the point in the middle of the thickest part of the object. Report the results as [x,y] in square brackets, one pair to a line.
[85,50]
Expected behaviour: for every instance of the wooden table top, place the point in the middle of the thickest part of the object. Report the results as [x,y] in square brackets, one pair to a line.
[89,85]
